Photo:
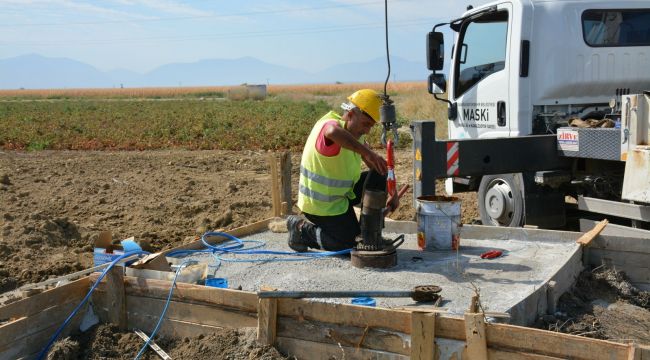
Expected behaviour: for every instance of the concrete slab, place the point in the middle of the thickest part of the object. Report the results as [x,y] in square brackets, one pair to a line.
[517,282]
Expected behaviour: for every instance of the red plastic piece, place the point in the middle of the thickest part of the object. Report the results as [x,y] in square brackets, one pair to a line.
[391,180]
[491,254]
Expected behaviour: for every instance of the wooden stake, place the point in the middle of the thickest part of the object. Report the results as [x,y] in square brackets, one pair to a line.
[473,305]
[587,237]
[423,325]
[116,297]
[475,336]
[275,192]
[285,183]
[267,321]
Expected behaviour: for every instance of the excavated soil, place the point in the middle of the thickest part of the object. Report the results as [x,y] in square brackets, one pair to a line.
[108,342]
[603,305]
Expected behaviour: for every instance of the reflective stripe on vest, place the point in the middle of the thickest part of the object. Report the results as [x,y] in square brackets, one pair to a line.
[327,182]
[318,196]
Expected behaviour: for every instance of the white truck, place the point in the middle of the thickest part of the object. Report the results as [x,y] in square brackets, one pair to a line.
[521,72]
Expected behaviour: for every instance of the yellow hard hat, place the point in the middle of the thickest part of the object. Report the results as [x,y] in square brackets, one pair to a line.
[368,101]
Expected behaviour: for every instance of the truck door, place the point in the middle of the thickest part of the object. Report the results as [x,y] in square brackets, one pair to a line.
[480,76]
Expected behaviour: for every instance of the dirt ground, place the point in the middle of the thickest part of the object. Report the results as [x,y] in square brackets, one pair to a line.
[602,305]
[53,204]
[108,342]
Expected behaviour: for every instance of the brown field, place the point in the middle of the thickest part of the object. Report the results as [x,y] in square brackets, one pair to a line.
[311,89]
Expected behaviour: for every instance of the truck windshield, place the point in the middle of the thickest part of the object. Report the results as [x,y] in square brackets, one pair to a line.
[482,51]
[616,27]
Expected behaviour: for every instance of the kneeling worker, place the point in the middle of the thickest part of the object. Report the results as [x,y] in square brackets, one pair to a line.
[331,181]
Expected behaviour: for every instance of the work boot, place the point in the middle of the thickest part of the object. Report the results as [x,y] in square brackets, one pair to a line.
[294,225]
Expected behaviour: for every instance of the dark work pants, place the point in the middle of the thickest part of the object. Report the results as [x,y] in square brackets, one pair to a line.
[338,232]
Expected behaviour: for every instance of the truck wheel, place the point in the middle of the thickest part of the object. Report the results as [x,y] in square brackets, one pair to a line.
[501,200]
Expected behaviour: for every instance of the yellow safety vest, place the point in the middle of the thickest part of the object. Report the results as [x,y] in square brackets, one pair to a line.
[327,182]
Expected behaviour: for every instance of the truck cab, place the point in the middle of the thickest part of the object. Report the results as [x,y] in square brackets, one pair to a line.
[520,68]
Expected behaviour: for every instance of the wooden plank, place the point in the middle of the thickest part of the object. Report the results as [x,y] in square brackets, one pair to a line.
[303,349]
[73,291]
[192,293]
[362,316]
[30,346]
[239,232]
[285,183]
[65,278]
[193,313]
[275,185]
[423,327]
[644,350]
[498,354]
[11,332]
[587,237]
[475,336]
[356,337]
[542,342]
[344,314]
[632,353]
[116,298]
[267,312]
[152,344]
[250,228]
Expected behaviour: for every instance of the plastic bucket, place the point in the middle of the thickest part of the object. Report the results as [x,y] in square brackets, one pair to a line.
[217,282]
[364,301]
[438,222]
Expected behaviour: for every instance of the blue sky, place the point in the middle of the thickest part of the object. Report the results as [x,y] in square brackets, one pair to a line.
[141,35]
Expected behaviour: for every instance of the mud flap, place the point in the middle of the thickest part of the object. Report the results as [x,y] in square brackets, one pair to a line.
[544,206]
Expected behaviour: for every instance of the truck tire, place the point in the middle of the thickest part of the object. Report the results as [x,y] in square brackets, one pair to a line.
[501,200]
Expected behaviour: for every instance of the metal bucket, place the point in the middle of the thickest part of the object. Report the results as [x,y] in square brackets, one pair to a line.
[438,223]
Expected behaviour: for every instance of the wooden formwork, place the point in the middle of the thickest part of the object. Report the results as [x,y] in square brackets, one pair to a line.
[30,323]
[305,329]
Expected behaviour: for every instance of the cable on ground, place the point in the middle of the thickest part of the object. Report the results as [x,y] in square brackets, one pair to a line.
[45,350]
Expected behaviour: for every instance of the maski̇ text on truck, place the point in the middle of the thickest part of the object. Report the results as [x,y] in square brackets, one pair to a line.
[548,111]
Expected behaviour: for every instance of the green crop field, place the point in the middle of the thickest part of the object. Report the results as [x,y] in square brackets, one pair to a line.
[200,119]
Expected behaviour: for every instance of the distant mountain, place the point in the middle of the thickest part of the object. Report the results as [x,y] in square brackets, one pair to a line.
[35,71]
[38,72]
[223,72]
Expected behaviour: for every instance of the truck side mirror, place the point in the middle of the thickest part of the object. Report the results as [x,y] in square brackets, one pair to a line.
[435,50]
[437,84]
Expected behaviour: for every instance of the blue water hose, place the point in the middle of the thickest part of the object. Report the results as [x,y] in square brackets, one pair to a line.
[236,246]
[233,246]
[45,350]
[162,316]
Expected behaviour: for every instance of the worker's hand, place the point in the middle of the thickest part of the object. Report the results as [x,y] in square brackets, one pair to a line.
[392,203]
[375,162]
